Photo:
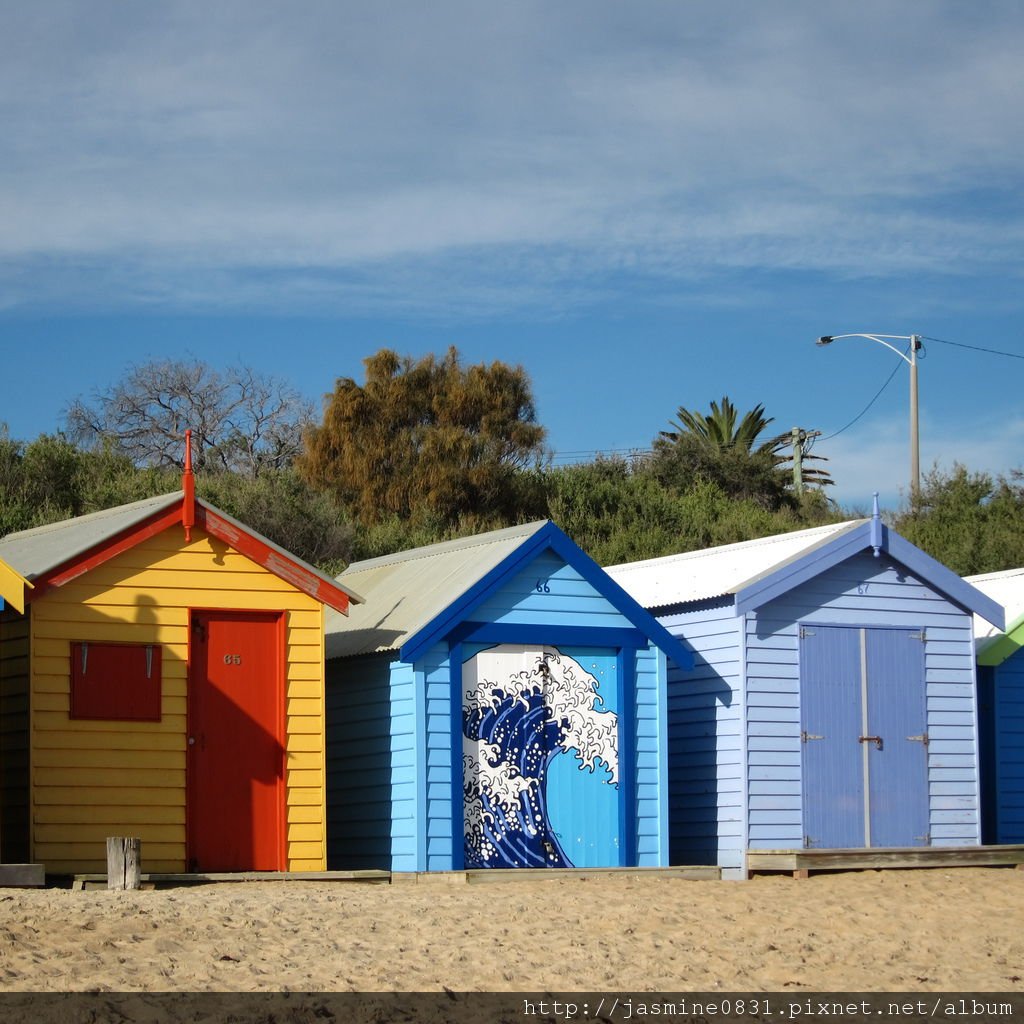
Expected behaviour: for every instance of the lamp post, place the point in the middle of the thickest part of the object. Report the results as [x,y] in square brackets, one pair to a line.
[911,361]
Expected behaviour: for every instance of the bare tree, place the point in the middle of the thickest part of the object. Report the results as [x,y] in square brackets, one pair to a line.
[241,420]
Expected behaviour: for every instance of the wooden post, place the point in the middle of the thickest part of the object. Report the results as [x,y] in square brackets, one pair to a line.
[124,862]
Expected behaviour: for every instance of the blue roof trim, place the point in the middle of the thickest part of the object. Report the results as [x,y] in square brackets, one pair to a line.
[846,545]
[548,537]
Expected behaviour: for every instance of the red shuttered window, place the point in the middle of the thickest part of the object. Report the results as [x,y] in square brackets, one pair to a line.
[115,682]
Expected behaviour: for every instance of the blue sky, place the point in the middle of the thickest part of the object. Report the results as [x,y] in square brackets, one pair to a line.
[646,205]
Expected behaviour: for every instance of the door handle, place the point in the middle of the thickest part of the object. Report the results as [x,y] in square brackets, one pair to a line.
[877,740]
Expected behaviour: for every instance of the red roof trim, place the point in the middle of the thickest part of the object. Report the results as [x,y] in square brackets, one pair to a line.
[272,560]
[106,550]
[241,540]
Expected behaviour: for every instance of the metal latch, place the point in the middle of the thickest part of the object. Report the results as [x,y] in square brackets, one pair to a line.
[877,740]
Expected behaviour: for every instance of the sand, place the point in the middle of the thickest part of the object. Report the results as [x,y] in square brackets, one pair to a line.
[937,930]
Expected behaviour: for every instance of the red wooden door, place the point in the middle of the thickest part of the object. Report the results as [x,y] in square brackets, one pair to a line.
[235,766]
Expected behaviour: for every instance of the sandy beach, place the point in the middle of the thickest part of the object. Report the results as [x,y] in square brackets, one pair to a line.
[860,931]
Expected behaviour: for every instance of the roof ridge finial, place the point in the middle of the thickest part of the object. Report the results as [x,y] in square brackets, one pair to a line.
[188,486]
[876,527]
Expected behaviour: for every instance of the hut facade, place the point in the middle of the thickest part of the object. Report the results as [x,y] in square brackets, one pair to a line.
[165,681]
[497,702]
[1001,711]
[833,702]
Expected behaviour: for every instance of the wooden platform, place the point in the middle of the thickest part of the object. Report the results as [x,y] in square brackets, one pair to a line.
[801,862]
[164,880]
[153,880]
[22,876]
[485,875]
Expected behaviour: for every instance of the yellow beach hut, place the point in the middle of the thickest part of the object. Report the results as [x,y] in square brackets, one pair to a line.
[166,681]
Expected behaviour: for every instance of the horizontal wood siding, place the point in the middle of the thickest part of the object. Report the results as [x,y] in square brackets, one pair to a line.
[14,737]
[405,730]
[862,591]
[359,763]
[1009,749]
[705,740]
[550,592]
[650,787]
[92,779]
[443,821]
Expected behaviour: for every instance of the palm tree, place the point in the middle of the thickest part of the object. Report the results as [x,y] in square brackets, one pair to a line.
[725,434]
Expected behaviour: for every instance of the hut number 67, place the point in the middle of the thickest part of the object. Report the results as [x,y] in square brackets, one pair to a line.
[232,659]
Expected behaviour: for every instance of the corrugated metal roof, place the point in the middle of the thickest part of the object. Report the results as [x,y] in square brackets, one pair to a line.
[719,571]
[406,591]
[37,551]
[1007,589]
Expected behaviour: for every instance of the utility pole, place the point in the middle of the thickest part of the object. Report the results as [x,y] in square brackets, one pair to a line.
[798,438]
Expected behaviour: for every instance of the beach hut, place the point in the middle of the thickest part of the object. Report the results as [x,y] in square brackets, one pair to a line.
[833,702]
[498,702]
[1001,708]
[165,682]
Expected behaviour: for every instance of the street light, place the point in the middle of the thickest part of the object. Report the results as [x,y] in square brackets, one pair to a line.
[911,361]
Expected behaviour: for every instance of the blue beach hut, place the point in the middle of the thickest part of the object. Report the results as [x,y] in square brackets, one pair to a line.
[497,702]
[1001,708]
[833,702]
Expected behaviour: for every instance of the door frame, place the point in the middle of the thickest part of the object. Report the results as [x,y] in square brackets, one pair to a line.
[865,689]
[279,619]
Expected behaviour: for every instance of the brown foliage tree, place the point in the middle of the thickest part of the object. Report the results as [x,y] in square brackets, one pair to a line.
[428,440]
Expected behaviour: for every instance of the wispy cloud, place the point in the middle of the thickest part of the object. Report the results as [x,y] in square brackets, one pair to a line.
[353,153]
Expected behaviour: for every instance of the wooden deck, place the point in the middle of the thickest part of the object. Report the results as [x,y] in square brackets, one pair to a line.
[154,880]
[22,876]
[801,862]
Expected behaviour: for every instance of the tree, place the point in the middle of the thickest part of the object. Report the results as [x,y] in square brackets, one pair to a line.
[969,521]
[240,420]
[728,450]
[428,440]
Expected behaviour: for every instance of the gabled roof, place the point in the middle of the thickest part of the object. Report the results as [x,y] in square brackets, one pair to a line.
[719,571]
[994,645]
[12,587]
[55,554]
[754,572]
[416,597]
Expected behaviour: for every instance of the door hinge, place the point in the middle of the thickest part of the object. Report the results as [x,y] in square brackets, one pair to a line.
[926,838]
[922,636]
[805,736]
[805,632]
[809,843]
[923,738]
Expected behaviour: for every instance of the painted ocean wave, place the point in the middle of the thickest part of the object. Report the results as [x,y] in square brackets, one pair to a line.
[525,710]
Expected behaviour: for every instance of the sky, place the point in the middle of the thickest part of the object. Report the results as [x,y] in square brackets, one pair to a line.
[647,206]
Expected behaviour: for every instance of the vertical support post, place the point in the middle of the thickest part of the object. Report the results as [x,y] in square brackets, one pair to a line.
[915,439]
[124,862]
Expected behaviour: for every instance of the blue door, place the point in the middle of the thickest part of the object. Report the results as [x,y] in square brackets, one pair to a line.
[540,758]
[864,740]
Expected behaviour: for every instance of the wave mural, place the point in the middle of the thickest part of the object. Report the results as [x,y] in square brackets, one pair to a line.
[522,709]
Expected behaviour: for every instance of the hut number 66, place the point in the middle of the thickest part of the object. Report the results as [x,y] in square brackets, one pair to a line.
[543,587]
[232,659]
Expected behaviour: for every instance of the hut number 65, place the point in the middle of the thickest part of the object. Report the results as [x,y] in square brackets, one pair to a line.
[232,659]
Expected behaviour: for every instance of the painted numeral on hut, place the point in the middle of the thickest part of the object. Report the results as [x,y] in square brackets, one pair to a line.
[543,587]
[232,659]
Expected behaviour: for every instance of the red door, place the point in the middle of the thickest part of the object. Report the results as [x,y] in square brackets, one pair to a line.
[235,768]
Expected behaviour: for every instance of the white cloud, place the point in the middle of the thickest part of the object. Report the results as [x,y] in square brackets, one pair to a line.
[158,143]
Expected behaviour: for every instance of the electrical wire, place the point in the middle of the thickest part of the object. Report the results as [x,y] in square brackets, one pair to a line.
[877,395]
[975,348]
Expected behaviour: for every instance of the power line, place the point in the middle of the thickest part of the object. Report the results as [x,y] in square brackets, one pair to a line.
[888,381]
[975,348]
